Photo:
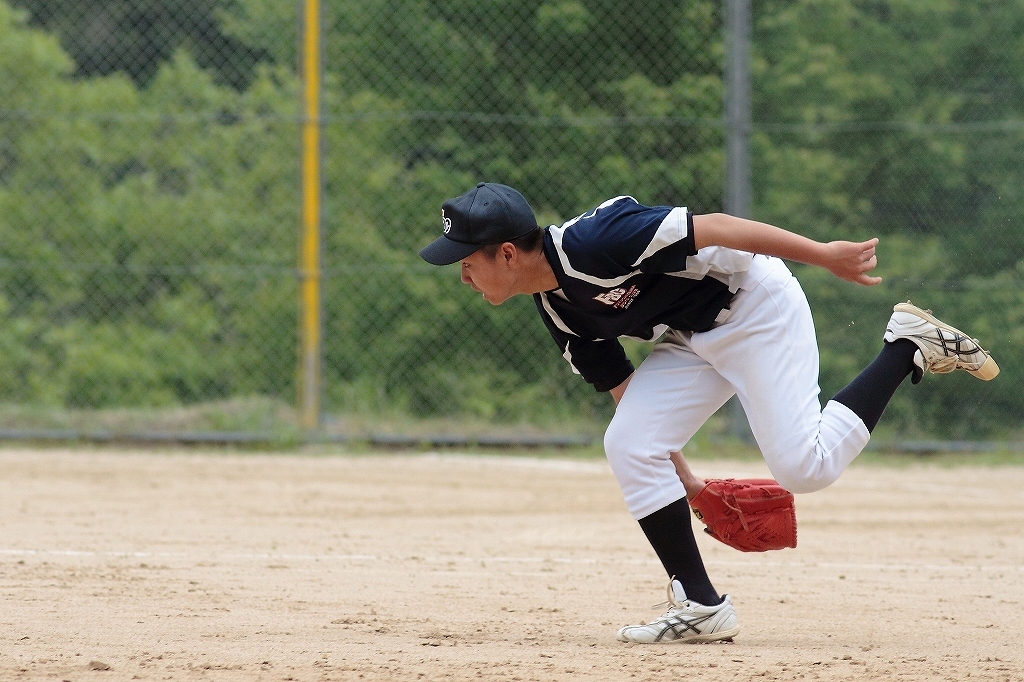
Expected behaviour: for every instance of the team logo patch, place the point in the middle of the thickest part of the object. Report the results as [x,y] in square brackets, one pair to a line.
[619,297]
[447,222]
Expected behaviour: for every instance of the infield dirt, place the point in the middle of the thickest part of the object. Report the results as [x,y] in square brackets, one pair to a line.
[118,565]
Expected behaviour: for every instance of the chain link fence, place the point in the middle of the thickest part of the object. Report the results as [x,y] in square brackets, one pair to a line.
[150,201]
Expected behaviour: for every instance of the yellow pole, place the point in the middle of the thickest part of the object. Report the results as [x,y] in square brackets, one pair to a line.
[309,251]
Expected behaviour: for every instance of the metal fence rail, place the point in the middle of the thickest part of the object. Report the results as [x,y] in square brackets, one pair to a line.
[157,240]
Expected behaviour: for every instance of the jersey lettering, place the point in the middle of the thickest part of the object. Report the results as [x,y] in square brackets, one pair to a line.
[618,297]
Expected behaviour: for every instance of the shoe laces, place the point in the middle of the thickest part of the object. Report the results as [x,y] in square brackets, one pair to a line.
[943,365]
[671,601]
[949,363]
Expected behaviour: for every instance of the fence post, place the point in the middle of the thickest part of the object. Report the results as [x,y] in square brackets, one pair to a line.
[737,108]
[309,383]
[737,142]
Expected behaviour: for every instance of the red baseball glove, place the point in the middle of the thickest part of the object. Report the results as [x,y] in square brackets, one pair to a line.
[750,514]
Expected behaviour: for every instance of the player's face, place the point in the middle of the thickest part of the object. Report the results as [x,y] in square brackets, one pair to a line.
[491,276]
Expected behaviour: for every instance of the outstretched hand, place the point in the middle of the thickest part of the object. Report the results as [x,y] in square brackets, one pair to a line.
[852,261]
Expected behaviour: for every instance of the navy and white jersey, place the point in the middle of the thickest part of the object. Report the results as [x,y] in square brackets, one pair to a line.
[625,269]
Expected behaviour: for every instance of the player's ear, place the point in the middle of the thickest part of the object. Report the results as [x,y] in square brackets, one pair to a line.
[508,252]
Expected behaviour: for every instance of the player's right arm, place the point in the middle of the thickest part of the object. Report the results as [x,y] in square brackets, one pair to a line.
[847,260]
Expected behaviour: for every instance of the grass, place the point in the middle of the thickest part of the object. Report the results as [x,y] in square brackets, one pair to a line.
[723,450]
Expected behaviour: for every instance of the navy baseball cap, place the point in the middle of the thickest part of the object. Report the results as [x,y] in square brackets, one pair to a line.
[487,214]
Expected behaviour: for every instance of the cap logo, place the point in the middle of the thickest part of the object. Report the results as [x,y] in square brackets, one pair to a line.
[447,222]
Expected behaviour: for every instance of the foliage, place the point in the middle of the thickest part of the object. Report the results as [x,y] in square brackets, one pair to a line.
[149,187]
[136,36]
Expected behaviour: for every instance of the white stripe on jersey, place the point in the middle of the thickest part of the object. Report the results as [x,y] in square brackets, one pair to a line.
[556,238]
[671,230]
[554,316]
[568,356]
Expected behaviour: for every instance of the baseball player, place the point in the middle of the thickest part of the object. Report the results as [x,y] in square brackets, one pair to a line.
[726,317]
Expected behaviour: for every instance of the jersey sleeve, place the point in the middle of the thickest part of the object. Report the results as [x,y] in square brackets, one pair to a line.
[603,362]
[672,244]
[622,236]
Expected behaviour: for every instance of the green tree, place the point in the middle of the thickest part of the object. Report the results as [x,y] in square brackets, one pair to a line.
[135,37]
[897,119]
[149,185]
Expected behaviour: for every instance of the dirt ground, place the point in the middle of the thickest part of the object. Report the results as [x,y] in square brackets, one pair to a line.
[119,565]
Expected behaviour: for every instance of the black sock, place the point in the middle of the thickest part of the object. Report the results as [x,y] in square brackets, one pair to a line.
[670,533]
[869,393]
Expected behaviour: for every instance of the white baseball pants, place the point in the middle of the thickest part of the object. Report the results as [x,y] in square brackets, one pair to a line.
[766,353]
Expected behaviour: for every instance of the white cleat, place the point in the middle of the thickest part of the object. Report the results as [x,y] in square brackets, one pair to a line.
[685,621]
[941,348]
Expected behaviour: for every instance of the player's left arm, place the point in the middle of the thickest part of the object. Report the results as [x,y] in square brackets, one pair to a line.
[847,260]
